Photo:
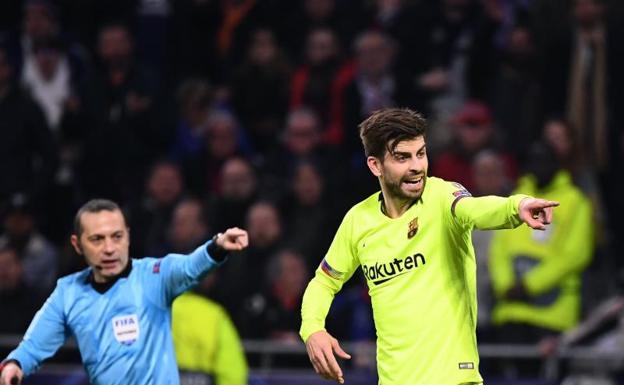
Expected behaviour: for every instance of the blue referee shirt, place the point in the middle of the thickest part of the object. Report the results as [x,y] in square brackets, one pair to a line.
[123,333]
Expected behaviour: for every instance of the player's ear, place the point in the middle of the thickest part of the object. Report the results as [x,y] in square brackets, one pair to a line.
[76,244]
[374,165]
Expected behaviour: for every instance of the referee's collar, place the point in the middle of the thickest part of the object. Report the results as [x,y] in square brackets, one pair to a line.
[102,287]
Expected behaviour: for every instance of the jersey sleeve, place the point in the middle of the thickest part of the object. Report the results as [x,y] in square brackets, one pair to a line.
[484,213]
[45,335]
[335,269]
[181,272]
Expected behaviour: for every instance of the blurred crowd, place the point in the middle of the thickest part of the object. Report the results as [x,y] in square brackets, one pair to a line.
[198,115]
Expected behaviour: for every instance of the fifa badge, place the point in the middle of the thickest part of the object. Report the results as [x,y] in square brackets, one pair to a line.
[413,228]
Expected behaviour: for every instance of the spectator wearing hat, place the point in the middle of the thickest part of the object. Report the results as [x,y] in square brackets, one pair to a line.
[28,155]
[473,130]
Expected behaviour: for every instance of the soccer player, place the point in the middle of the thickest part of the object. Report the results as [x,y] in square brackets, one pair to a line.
[412,241]
[118,309]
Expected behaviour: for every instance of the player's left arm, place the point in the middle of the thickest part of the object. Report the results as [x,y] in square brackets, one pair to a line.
[494,212]
[181,272]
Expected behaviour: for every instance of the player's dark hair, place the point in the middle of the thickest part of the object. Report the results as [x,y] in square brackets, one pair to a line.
[384,129]
[95,206]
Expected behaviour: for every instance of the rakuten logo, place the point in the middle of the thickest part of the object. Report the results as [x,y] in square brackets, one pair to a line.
[380,273]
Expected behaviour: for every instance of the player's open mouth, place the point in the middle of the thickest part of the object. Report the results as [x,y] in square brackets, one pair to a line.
[414,182]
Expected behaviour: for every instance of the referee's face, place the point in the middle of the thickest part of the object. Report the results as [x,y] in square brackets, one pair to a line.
[104,242]
[404,171]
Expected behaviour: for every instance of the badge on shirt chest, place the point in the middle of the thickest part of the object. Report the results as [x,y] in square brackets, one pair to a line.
[412,228]
[126,328]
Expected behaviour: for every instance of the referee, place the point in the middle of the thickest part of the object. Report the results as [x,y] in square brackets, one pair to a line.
[412,241]
[118,309]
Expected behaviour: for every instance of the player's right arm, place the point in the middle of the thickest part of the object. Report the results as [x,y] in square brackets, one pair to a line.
[45,335]
[335,269]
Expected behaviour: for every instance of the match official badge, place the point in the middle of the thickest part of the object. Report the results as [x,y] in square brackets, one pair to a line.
[126,328]
[413,228]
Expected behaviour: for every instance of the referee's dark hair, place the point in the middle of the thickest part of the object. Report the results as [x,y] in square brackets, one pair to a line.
[95,206]
[384,129]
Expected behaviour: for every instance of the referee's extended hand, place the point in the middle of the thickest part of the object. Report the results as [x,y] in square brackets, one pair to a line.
[11,374]
[536,213]
[321,347]
[234,239]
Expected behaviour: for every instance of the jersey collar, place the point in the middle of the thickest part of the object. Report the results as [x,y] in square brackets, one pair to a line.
[105,286]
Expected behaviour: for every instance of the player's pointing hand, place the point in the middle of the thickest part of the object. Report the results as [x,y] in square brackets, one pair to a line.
[321,347]
[536,213]
[234,239]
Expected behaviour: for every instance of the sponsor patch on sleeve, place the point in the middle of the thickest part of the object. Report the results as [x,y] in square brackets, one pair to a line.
[461,190]
[156,268]
[333,273]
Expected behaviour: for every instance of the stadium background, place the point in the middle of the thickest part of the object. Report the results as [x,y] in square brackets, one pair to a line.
[197,115]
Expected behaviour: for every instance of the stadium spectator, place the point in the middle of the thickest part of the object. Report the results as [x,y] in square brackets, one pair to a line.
[188,226]
[118,309]
[451,45]
[208,348]
[584,82]
[223,140]
[238,191]
[55,83]
[149,218]
[122,102]
[37,256]
[194,97]
[536,276]
[474,131]
[193,49]
[40,22]
[308,15]
[28,154]
[515,90]
[320,75]
[18,303]
[376,84]
[244,276]
[301,141]
[307,214]
[400,19]
[273,312]
[260,89]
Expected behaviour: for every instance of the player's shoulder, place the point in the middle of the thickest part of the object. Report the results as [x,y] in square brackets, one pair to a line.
[194,303]
[79,277]
[147,264]
[367,205]
[436,183]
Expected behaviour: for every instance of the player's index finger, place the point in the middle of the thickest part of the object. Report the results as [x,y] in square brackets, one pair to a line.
[333,364]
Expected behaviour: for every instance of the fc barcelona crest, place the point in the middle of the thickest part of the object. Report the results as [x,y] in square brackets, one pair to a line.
[413,228]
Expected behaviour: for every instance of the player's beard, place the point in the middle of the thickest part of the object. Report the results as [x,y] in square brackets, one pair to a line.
[395,190]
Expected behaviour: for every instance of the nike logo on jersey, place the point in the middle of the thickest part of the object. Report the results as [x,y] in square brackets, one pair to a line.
[383,272]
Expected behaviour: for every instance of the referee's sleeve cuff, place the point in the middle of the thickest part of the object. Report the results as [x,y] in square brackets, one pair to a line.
[217,253]
[9,361]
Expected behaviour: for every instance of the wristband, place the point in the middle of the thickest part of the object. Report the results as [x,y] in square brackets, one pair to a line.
[215,251]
